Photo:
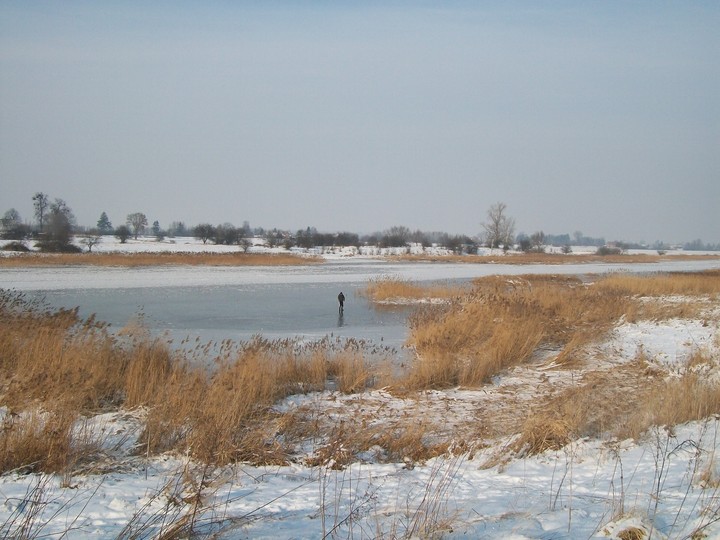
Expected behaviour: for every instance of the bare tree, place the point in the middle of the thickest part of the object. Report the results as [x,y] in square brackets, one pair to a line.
[499,228]
[41,203]
[396,236]
[12,226]
[60,224]
[204,232]
[245,244]
[538,242]
[90,240]
[137,222]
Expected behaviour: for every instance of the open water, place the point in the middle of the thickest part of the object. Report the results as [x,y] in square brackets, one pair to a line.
[238,312]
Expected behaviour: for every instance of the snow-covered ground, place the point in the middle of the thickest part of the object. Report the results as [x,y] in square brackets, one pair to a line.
[666,485]
[110,244]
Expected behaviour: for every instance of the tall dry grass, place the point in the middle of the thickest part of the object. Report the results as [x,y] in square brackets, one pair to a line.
[347,440]
[389,289]
[504,321]
[664,284]
[622,403]
[37,441]
[227,416]
[63,366]
[691,396]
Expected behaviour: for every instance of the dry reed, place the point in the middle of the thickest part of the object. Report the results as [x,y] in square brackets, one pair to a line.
[347,440]
[54,361]
[501,323]
[504,321]
[621,403]
[37,441]
[393,289]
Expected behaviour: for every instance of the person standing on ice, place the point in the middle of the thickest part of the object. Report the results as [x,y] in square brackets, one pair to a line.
[341,299]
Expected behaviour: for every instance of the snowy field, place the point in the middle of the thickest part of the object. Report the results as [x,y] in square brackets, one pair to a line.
[666,485]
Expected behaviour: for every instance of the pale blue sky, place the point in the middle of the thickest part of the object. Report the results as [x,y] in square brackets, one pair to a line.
[602,117]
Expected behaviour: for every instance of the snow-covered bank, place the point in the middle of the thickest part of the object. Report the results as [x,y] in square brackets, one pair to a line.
[590,489]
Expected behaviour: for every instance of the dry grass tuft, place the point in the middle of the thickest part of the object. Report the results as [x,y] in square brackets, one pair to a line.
[347,440]
[392,289]
[543,432]
[621,403]
[690,397]
[632,533]
[36,441]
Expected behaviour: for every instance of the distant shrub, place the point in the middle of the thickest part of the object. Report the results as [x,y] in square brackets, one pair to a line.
[122,233]
[608,250]
[15,231]
[15,246]
[57,247]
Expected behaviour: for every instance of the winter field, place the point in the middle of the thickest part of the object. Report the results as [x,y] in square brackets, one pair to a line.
[585,436]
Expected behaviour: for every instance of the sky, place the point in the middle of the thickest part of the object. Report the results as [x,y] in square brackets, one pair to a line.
[599,117]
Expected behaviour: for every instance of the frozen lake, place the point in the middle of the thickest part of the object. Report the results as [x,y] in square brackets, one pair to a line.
[217,303]
[237,312]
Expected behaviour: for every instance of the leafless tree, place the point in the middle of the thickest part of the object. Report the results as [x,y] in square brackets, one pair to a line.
[41,203]
[538,242]
[245,244]
[499,228]
[137,223]
[204,232]
[90,240]
[60,224]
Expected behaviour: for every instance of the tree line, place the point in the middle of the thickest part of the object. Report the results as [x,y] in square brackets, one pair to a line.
[55,227]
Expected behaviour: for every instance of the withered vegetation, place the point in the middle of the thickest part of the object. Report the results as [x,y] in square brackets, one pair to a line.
[221,405]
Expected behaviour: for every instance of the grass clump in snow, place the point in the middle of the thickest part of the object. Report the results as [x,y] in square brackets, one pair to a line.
[396,290]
